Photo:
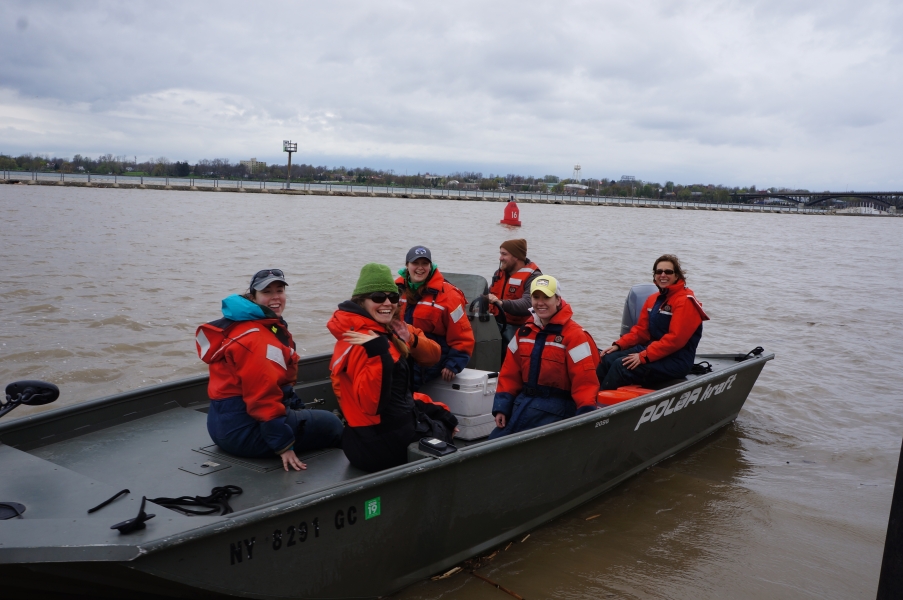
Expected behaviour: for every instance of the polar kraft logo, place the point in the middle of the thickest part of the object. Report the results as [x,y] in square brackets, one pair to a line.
[663,408]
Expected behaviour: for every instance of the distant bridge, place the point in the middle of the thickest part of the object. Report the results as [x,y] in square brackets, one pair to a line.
[881,200]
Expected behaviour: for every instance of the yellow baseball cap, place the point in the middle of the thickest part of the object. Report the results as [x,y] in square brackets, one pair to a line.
[546,284]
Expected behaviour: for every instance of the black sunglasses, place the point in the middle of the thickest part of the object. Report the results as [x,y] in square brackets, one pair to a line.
[267,273]
[380,297]
[665,271]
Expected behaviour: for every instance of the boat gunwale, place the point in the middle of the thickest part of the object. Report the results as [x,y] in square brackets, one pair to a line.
[362,483]
[359,484]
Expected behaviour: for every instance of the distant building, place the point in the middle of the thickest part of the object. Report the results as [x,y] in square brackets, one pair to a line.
[575,189]
[253,165]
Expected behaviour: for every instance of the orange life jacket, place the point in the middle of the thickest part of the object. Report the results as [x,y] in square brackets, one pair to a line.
[511,287]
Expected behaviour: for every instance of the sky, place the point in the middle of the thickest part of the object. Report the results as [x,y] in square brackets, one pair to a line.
[785,93]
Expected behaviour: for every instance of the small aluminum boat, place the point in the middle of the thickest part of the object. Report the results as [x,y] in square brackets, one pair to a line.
[331,531]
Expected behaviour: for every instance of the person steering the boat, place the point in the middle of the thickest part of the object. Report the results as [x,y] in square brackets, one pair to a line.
[370,372]
[662,345]
[506,296]
[254,411]
[439,309]
[549,373]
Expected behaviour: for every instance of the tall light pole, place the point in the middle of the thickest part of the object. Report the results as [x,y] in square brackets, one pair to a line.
[288,146]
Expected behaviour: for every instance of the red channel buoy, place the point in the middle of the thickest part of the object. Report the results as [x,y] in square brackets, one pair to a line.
[512,215]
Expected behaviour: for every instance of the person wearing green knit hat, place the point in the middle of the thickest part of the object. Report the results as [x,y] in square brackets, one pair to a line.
[374,277]
[437,307]
[370,374]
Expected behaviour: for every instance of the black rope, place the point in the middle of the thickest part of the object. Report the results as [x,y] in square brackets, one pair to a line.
[754,352]
[217,503]
[107,501]
[701,368]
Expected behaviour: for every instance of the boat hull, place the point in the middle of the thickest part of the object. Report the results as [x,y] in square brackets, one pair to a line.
[375,534]
[436,514]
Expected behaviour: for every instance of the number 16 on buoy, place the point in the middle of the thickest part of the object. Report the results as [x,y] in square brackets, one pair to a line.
[512,214]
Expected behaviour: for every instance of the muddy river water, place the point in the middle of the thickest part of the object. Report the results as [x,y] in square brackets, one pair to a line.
[102,290]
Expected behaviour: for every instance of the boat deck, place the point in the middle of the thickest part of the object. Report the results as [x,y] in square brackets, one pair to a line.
[169,454]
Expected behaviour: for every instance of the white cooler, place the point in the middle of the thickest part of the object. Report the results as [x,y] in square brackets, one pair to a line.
[469,394]
[472,428]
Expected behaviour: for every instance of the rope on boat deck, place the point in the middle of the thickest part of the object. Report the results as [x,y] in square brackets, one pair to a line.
[108,500]
[216,503]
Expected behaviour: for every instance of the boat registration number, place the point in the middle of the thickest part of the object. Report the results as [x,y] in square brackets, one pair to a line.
[299,533]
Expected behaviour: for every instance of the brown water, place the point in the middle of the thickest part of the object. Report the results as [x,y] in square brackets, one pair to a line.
[102,291]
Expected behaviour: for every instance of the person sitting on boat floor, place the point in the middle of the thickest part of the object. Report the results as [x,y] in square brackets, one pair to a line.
[438,308]
[550,371]
[371,371]
[506,295]
[254,411]
[662,345]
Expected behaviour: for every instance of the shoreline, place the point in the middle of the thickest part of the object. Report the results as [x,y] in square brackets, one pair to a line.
[427,194]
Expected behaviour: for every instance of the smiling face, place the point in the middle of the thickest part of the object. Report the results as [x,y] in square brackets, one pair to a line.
[545,306]
[507,260]
[273,297]
[419,270]
[663,280]
[381,313]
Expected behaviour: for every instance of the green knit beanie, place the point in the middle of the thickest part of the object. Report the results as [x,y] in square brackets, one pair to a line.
[375,278]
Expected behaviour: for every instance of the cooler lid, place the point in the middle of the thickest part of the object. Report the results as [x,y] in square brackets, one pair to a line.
[473,376]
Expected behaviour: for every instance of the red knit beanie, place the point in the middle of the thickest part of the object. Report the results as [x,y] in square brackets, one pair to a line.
[516,248]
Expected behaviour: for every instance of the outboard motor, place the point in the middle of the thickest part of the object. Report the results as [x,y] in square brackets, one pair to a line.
[487,353]
[634,304]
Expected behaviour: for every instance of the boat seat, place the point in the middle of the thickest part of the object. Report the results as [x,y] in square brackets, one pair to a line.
[666,383]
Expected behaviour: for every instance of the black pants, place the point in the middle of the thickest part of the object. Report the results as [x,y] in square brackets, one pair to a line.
[382,446]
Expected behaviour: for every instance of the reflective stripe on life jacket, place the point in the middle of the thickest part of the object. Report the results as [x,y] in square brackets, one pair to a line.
[440,314]
[557,360]
[511,288]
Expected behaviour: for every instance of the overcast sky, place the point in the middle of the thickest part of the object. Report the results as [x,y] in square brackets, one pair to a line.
[766,92]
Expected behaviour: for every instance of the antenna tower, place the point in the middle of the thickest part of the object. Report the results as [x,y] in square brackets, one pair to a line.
[576,176]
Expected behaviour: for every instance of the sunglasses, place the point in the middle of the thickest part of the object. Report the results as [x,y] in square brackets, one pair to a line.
[267,273]
[665,271]
[380,297]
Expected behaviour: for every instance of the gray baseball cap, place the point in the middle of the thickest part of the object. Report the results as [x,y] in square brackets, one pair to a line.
[264,278]
[418,252]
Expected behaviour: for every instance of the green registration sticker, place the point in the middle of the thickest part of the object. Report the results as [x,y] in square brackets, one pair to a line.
[371,508]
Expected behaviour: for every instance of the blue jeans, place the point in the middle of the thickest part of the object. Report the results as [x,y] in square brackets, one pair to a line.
[235,431]
[613,374]
[533,411]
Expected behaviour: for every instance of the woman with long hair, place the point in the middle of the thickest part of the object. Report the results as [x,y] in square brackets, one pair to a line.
[371,375]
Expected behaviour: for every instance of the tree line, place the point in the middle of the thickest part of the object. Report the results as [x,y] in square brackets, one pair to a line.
[223,168]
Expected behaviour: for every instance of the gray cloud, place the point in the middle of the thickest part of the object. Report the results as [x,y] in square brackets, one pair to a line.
[772,92]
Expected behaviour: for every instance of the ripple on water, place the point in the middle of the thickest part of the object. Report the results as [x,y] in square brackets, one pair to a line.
[118,321]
